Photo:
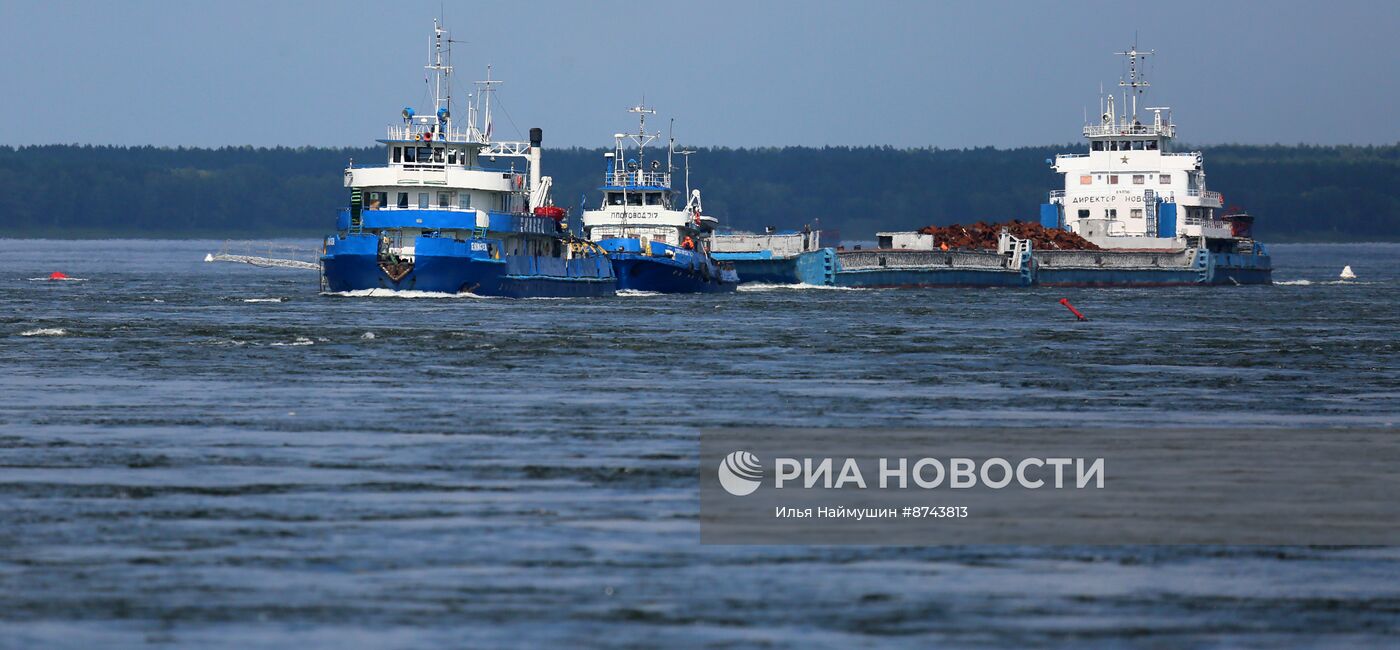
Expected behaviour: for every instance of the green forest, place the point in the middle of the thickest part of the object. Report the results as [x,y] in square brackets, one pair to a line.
[1297,193]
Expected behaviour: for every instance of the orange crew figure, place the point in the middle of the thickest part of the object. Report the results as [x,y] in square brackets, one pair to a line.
[688,243]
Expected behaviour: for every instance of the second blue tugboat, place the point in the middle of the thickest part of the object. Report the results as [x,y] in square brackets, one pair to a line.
[654,246]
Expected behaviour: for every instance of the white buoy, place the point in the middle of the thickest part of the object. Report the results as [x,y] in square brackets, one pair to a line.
[1347,273]
[208,257]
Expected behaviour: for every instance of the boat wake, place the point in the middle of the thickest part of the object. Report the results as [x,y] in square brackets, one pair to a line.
[637,293]
[45,331]
[760,286]
[63,279]
[265,299]
[298,342]
[1308,283]
[392,293]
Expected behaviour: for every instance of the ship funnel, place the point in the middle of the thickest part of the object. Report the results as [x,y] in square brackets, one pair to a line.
[536,137]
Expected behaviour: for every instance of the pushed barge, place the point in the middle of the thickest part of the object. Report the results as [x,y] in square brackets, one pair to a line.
[793,257]
[436,218]
[1144,207]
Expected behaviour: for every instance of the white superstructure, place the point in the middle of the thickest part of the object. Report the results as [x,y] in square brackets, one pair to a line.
[1131,190]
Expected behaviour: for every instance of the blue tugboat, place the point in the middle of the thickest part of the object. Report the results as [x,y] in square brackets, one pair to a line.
[436,218]
[654,246]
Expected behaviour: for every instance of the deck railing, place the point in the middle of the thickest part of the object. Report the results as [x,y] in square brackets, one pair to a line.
[639,177]
[1093,130]
[417,131]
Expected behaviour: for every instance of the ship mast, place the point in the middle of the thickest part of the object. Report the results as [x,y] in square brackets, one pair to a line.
[1136,83]
[642,138]
[442,83]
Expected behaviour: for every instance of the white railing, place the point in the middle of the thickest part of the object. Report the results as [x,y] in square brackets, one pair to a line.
[639,177]
[1092,130]
[507,149]
[1206,195]
[425,132]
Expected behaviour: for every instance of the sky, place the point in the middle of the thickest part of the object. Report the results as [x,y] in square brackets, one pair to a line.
[731,73]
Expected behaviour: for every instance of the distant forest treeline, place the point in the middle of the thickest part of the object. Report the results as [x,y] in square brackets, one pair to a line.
[1297,192]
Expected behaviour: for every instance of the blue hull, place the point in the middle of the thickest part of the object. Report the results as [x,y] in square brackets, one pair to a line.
[1210,269]
[1116,278]
[914,278]
[449,266]
[661,275]
[812,267]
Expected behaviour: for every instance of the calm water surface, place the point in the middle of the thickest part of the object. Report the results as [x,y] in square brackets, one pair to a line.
[214,454]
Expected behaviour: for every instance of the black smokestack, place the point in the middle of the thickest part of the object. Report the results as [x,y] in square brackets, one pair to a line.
[536,136]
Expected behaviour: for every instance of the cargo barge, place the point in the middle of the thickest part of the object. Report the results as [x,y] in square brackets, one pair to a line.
[1142,211]
[791,257]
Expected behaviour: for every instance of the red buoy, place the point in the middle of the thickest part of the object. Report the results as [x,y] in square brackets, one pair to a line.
[1065,302]
[58,275]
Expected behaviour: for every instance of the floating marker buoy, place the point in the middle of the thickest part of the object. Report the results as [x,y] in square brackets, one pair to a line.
[58,275]
[1347,273]
[1065,302]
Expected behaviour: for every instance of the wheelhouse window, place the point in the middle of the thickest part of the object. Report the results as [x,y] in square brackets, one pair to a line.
[634,198]
[1166,179]
[1139,179]
[425,154]
[403,198]
[422,200]
[451,156]
[1086,180]
[1113,179]
[1097,145]
[444,200]
[1139,145]
[398,154]
[409,155]
[614,198]
[653,198]
[1151,145]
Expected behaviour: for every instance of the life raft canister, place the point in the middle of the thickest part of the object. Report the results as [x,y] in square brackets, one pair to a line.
[552,211]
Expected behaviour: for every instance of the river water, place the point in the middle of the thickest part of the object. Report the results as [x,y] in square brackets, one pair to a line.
[218,455]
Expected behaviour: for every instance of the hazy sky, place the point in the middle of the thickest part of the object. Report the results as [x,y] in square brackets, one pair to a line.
[736,73]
